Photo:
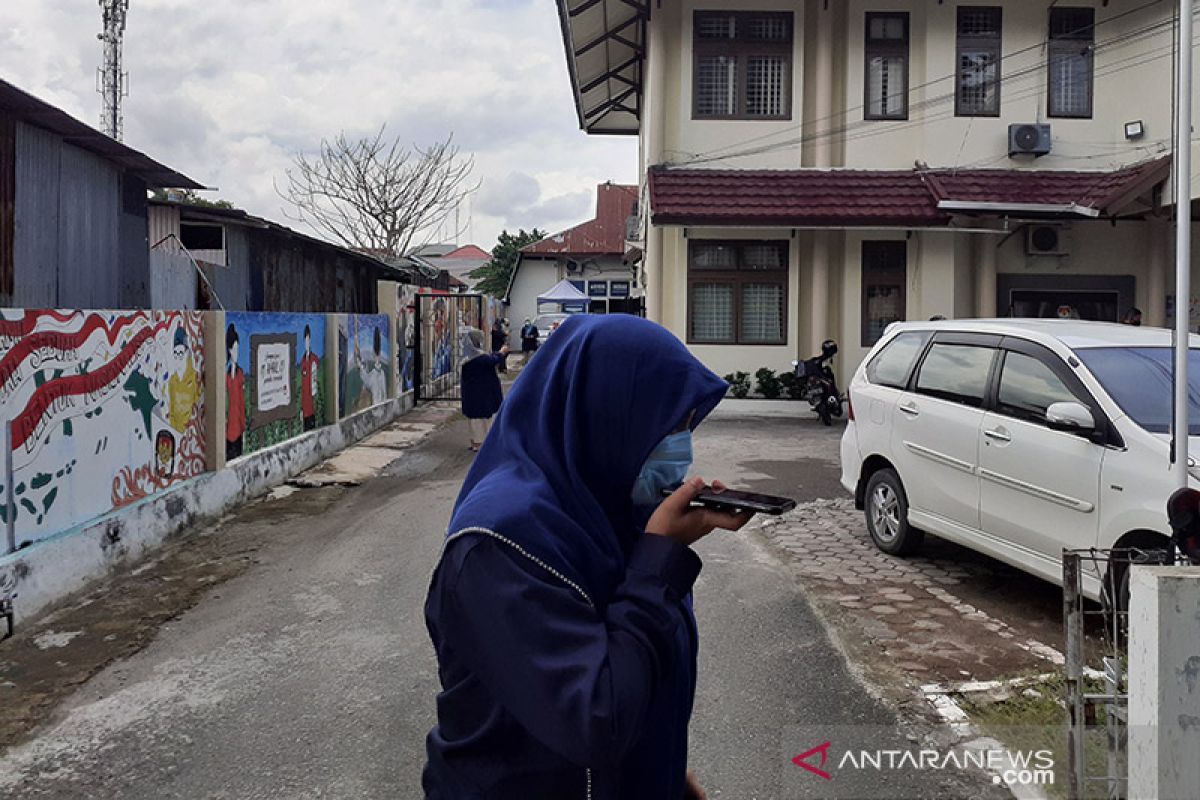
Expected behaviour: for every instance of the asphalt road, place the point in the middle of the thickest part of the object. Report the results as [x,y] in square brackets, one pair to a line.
[311,674]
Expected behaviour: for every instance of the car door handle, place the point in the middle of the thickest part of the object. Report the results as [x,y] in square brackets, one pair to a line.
[909,409]
[998,436]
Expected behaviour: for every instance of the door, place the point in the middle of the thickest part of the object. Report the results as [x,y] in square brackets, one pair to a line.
[1039,488]
[935,428]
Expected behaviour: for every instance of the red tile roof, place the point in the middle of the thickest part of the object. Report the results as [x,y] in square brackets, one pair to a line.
[1104,192]
[603,235]
[883,198]
[791,197]
[469,251]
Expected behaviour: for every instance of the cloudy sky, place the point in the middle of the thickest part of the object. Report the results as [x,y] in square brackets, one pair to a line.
[226,91]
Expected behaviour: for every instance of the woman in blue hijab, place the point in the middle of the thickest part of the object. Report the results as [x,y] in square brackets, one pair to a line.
[561,606]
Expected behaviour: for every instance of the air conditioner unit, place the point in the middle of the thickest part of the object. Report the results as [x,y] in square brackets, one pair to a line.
[1047,240]
[574,266]
[1028,140]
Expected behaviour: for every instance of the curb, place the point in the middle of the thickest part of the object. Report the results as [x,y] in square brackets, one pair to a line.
[48,572]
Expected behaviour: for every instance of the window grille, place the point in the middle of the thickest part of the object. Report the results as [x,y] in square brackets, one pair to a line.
[743,65]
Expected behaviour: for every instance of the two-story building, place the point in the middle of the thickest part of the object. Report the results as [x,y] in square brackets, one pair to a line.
[816,169]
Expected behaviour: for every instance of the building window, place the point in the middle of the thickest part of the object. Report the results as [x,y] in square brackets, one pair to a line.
[198,236]
[737,292]
[977,93]
[887,66]
[743,65]
[1072,41]
[883,280]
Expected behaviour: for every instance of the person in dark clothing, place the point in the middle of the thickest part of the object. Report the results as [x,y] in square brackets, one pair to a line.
[529,340]
[481,393]
[499,340]
[560,608]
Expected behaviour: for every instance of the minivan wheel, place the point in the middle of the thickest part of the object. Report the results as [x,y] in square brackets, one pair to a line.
[887,515]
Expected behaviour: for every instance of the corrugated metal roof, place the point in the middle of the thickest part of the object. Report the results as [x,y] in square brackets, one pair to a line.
[20,105]
[602,235]
[237,216]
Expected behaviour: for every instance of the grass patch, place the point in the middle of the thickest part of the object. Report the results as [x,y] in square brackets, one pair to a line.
[1034,718]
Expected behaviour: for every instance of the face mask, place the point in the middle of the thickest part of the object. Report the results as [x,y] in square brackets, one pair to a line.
[665,468]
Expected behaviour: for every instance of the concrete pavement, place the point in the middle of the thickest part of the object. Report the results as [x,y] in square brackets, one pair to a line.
[310,674]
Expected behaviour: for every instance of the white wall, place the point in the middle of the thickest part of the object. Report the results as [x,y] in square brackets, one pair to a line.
[1132,82]
[724,359]
[685,138]
[536,275]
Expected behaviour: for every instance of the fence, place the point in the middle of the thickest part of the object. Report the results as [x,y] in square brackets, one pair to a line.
[1098,699]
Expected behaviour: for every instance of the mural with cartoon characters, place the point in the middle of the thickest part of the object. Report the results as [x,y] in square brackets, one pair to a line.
[365,361]
[274,379]
[106,408]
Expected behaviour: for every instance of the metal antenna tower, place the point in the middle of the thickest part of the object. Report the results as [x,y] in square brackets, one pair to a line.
[112,82]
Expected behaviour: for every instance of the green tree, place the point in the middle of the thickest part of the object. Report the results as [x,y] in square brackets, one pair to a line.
[493,276]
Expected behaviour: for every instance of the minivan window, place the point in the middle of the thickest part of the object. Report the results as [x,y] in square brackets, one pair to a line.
[1138,379]
[893,364]
[956,372]
[1028,387]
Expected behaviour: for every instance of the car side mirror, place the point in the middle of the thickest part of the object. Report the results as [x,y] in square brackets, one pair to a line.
[1070,418]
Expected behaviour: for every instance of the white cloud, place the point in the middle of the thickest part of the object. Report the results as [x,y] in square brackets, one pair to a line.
[227,90]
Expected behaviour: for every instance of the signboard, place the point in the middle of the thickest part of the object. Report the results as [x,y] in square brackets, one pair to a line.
[597,289]
[580,285]
[274,381]
[271,360]
[618,288]
[574,308]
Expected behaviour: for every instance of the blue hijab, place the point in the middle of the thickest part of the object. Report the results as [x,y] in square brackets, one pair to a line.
[556,471]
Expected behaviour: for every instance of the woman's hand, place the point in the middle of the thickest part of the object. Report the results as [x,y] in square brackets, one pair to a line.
[676,519]
[692,790]
[504,350]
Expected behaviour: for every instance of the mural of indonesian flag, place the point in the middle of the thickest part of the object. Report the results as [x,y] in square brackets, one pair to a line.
[105,408]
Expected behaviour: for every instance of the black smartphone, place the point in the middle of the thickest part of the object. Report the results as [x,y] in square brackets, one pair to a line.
[734,500]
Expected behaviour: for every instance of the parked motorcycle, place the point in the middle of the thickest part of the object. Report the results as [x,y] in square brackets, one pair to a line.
[818,385]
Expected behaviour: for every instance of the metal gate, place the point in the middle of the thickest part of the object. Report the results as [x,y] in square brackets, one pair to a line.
[437,343]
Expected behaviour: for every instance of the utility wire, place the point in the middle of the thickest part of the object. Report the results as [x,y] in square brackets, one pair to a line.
[854,130]
[728,152]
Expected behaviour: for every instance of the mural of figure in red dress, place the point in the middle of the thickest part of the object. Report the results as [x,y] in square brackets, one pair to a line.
[235,394]
[308,382]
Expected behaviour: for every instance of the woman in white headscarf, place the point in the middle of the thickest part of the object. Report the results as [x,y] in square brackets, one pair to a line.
[481,394]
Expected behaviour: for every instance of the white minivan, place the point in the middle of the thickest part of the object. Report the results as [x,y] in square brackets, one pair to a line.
[1018,438]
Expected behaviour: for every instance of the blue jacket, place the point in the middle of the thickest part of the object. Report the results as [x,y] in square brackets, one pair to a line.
[564,635]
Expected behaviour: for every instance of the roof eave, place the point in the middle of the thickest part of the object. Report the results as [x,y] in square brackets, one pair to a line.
[1018,209]
[599,119]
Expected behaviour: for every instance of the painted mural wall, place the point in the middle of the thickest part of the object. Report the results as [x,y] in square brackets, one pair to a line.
[365,361]
[406,329]
[106,408]
[275,379]
[438,324]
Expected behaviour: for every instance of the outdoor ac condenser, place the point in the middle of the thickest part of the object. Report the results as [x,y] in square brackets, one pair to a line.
[1047,240]
[1028,140]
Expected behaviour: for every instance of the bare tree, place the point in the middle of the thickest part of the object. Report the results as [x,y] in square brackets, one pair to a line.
[374,193]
